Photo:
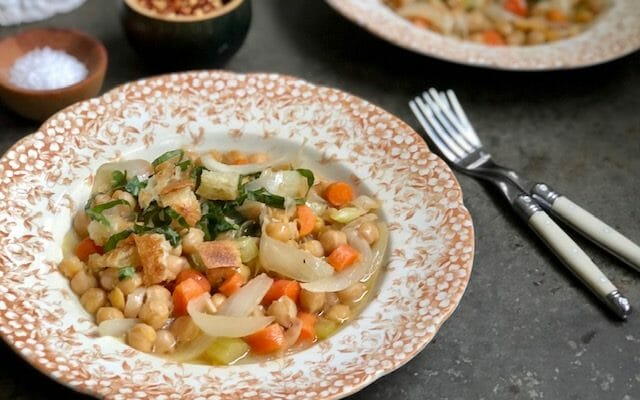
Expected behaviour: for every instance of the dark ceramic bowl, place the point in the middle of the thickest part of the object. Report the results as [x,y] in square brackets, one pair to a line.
[186,42]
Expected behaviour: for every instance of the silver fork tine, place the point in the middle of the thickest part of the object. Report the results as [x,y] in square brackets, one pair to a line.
[439,131]
[469,133]
[441,100]
[441,146]
[447,128]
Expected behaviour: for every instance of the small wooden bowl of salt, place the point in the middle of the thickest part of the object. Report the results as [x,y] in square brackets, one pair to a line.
[44,70]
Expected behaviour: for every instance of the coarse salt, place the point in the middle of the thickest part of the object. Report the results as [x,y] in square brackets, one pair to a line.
[46,69]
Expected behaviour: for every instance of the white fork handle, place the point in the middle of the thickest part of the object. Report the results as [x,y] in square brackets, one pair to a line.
[590,226]
[578,262]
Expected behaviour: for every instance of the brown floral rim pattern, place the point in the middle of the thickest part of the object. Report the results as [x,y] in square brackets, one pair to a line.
[47,175]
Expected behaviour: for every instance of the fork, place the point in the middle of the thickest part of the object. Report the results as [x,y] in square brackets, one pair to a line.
[448,127]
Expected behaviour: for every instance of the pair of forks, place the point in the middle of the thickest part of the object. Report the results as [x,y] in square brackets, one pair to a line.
[446,124]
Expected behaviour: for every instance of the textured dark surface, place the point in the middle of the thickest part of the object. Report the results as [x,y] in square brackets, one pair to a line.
[525,329]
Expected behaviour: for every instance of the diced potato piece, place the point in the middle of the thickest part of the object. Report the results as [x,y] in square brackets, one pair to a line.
[219,253]
[185,203]
[224,351]
[215,185]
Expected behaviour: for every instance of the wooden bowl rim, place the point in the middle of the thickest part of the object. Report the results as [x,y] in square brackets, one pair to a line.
[225,9]
[93,73]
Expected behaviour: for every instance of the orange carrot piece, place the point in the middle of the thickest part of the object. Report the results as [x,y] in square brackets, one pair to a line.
[232,284]
[191,273]
[87,247]
[279,288]
[518,7]
[342,257]
[338,194]
[267,340]
[555,15]
[308,332]
[421,22]
[306,220]
[493,38]
[184,292]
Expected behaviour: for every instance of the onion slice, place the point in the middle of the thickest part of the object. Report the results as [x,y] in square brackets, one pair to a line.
[370,261]
[102,182]
[291,262]
[247,298]
[116,327]
[222,325]
[244,169]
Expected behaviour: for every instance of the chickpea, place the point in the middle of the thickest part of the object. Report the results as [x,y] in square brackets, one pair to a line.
[536,37]
[284,310]
[331,239]
[116,298]
[109,278]
[108,313]
[218,299]
[165,342]
[93,299]
[126,196]
[369,232]
[319,226]
[314,247]
[154,312]
[331,299]
[142,337]
[128,285]
[516,38]
[245,271]
[81,223]
[83,281]
[175,264]
[504,27]
[280,231]
[312,301]
[176,251]
[338,313]
[258,311]
[101,199]
[353,293]
[158,292]
[184,329]
[70,266]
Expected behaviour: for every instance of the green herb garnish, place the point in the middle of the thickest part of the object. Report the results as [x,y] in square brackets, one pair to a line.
[184,165]
[126,272]
[168,156]
[114,239]
[263,196]
[307,174]
[134,186]
[95,213]
[118,179]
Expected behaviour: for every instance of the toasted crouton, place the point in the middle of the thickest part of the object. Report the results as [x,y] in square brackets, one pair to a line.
[158,264]
[219,254]
[216,185]
[217,276]
[185,203]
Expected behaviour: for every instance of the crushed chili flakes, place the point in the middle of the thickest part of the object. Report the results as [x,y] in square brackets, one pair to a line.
[182,7]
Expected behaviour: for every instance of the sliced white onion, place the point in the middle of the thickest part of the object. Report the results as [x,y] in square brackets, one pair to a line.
[116,327]
[282,183]
[365,203]
[370,261]
[191,350]
[346,214]
[102,182]
[291,262]
[355,224]
[222,325]
[245,299]
[134,302]
[292,334]
[245,169]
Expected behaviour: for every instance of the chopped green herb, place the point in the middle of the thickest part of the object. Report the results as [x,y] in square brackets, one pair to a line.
[171,235]
[114,239]
[184,165]
[118,179]
[135,185]
[173,214]
[263,196]
[156,215]
[218,217]
[168,156]
[196,175]
[95,213]
[307,174]
[126,272]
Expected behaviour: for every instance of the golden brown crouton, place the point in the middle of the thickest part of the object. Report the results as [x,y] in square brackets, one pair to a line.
[158,263]
[217,276]
[219,254]
[185,203]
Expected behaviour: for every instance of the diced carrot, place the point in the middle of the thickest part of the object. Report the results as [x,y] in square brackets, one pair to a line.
[279,288]
[191,273]
[518,7]
[556,15]
[308,332]
[342,257]
[231,284]
[421,22]
[236,157]
[87,247]
[267,340]
[493,38]
[184,292]
[338,194]
[306,220]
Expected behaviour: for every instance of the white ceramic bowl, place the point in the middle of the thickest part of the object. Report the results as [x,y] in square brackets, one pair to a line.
[48,174]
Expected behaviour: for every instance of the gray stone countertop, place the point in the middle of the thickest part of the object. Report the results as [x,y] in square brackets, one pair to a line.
[526,328]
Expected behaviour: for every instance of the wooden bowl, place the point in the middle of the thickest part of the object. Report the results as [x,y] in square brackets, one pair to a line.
[40,104]
[186,41]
